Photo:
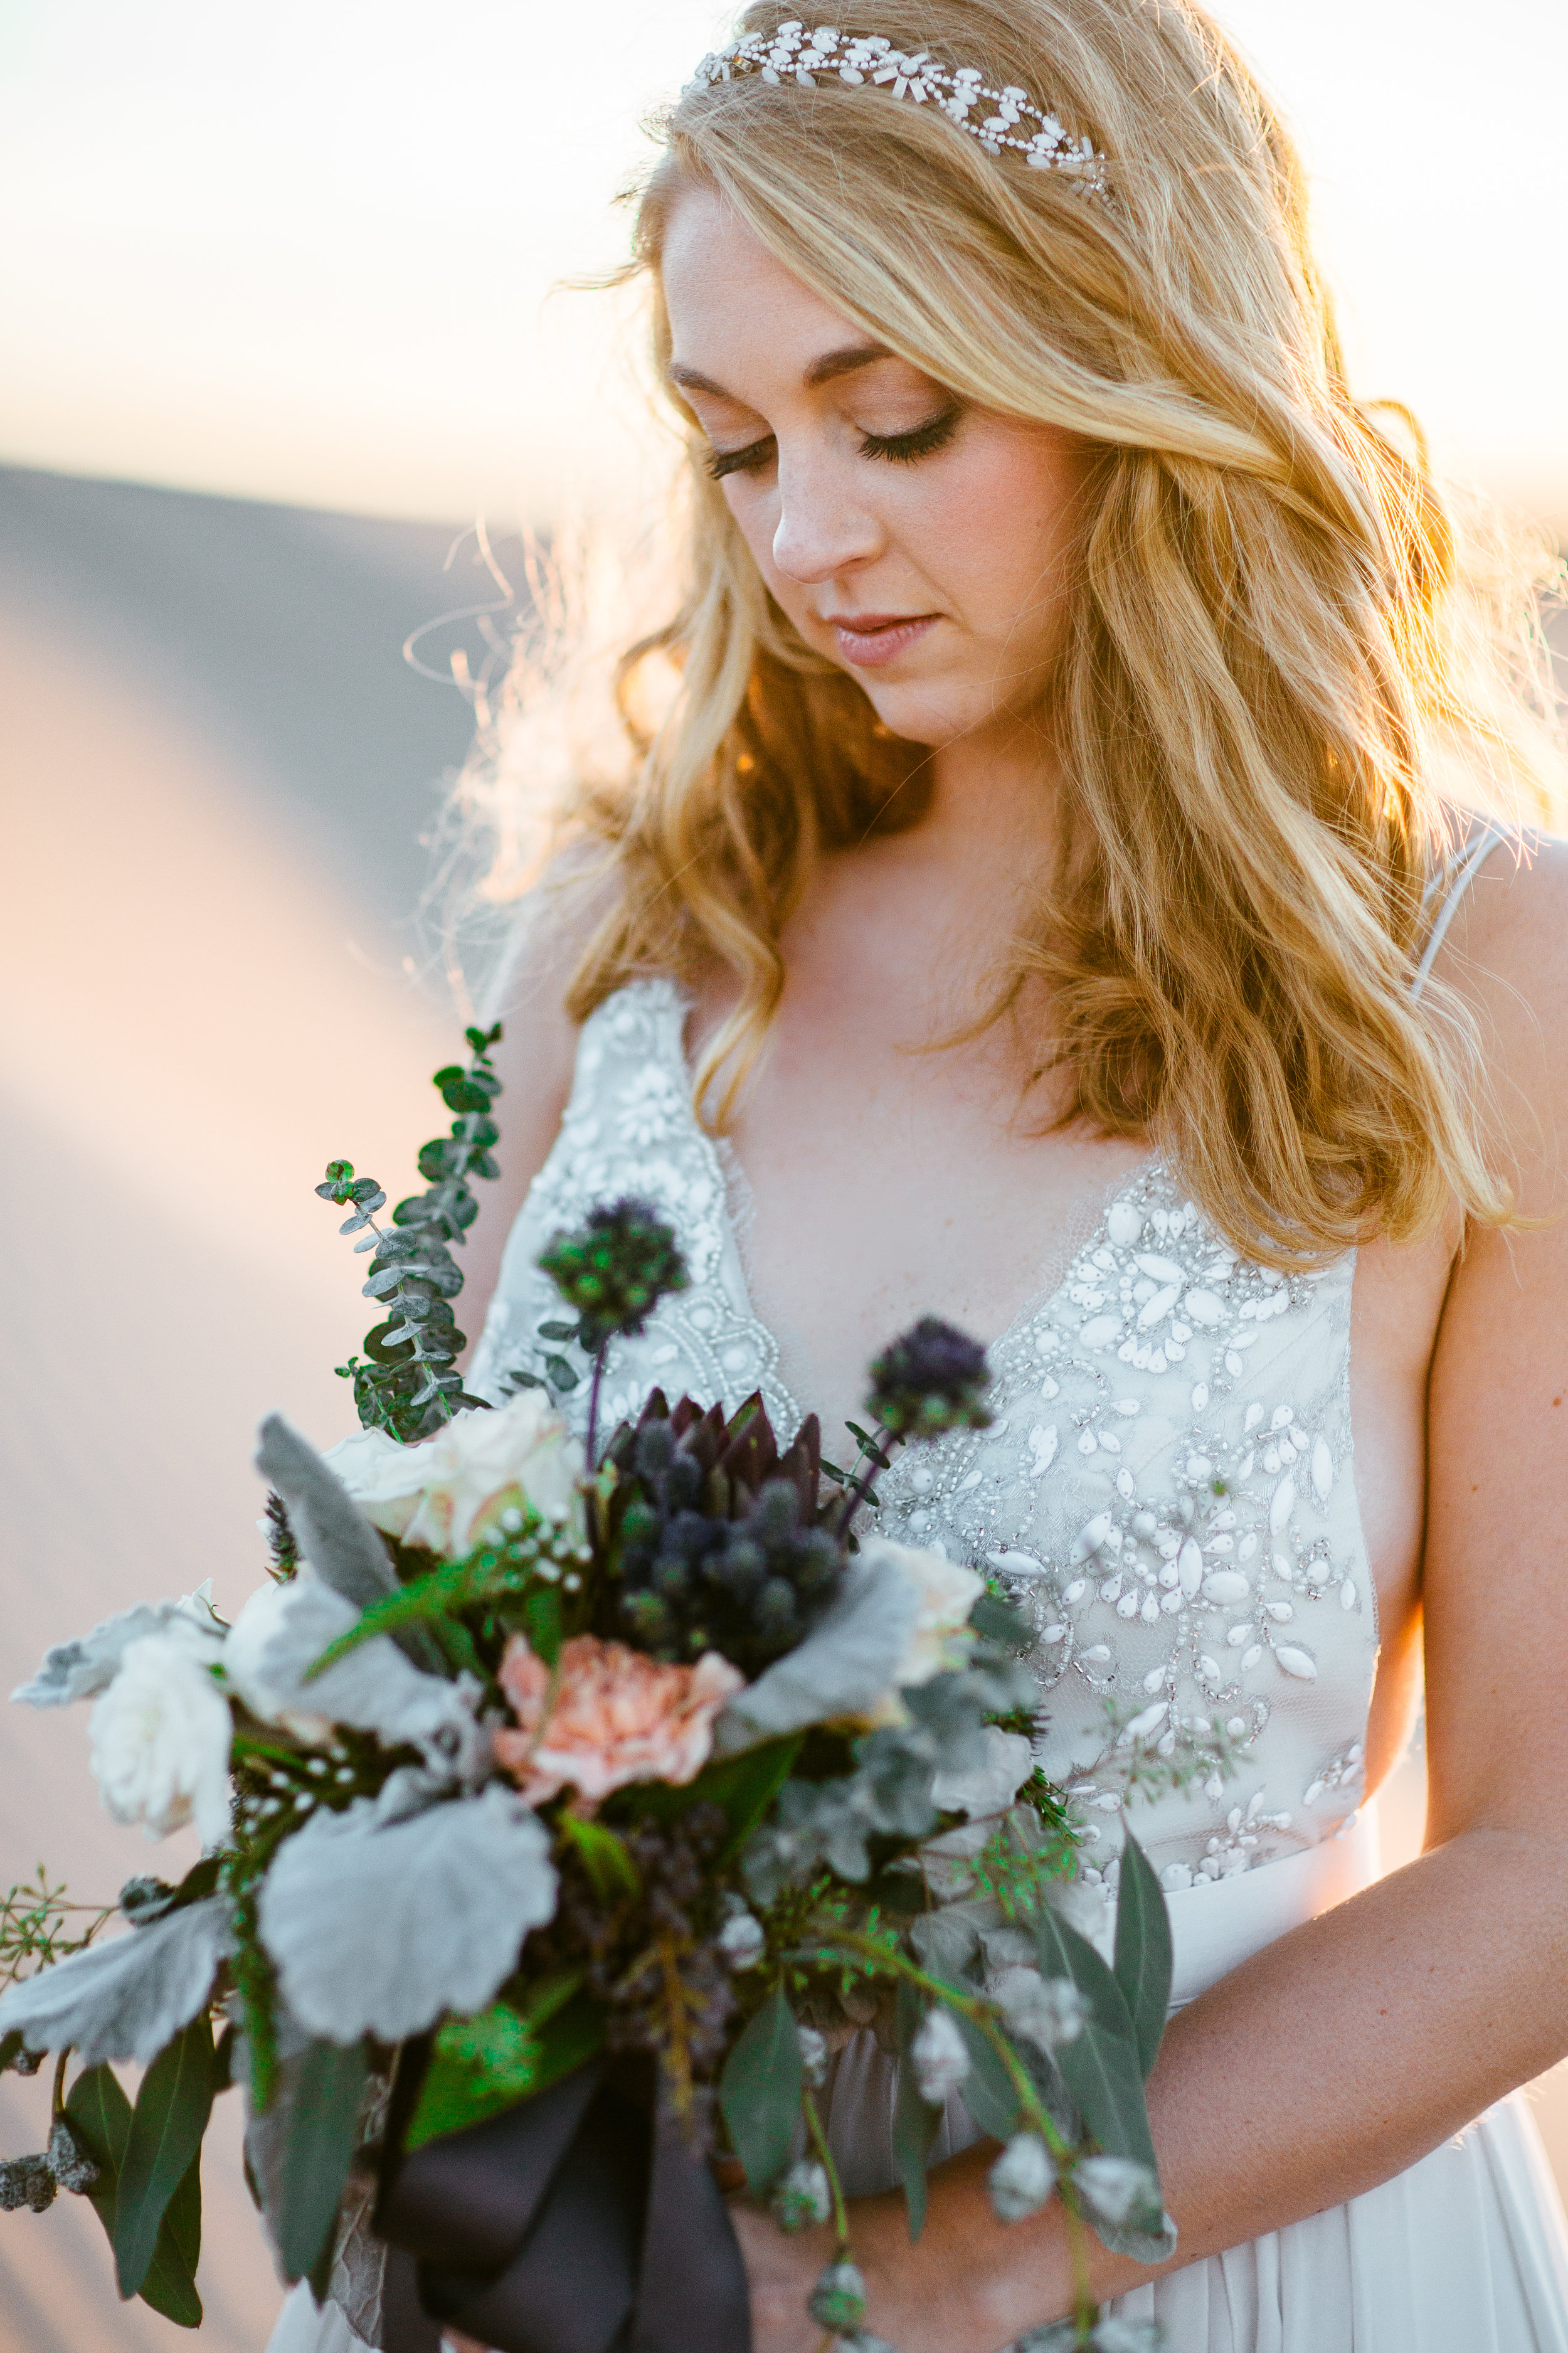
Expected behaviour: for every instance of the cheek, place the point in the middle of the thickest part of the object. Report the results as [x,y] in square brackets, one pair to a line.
[755,516]
[998,526]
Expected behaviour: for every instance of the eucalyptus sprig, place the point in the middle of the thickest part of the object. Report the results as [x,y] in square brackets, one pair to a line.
[406,1384]
[36,1918]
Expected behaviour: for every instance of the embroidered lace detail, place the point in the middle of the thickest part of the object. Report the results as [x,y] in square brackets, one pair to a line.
[629,1128]
[1167,1488]
[1168,1491]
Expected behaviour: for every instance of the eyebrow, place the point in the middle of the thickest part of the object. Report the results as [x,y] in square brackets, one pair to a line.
[832,363]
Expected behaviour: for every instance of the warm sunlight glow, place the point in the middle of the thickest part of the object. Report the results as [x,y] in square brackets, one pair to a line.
[306,254]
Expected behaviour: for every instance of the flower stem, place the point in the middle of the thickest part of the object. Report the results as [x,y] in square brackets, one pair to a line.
[58,2095]
[836,2189]
[600,1354]
[859,1486]
[981,2015]
[1085,2310]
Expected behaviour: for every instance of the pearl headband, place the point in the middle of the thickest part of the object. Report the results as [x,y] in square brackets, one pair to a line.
[792,54]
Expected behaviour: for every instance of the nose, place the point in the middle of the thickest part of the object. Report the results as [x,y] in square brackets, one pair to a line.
[823,528]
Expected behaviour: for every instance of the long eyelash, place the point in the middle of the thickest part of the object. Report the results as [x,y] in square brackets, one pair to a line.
[749,460]
[904,448]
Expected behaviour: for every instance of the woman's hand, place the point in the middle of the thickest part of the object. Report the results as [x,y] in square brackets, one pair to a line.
[783,2270]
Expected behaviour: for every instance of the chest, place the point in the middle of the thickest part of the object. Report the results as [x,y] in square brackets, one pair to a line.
[913,1173]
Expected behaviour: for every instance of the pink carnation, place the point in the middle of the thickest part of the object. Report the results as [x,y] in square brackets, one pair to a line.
[618,1717]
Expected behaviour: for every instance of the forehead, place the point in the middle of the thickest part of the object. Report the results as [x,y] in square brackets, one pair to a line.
[732,302]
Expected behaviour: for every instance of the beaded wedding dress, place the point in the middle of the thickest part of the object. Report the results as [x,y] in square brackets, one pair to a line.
[1169,1488]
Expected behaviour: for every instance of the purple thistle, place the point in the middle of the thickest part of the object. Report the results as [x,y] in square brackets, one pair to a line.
[934,1377]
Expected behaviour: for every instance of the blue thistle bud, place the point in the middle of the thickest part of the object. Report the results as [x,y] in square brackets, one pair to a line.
[930,1379]
[777,1513]
[649,1620]
[774,1613]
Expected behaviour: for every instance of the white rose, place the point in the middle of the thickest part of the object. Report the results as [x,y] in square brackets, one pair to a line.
[160,1739]
[948,1592]
[443,1491]
[266,1616]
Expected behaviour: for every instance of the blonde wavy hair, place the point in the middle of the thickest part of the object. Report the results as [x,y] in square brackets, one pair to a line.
[1278,674]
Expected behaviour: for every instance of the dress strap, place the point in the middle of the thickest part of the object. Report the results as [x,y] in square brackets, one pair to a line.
[1447,887]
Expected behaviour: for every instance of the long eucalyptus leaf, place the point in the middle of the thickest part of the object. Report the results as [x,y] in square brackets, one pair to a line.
[100,2116]
[1099,2065]
[325,2095]
[1142,1951]
[170,2286]
[760,2091]
[166,2127]
[915,2124]
[988,2090]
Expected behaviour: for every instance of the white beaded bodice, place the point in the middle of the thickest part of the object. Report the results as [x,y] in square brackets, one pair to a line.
[1167,1487]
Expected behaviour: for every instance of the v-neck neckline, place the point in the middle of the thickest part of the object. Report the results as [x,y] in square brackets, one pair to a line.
[1034,1309]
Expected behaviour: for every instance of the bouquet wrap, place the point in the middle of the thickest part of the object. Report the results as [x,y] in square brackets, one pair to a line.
[579,2221]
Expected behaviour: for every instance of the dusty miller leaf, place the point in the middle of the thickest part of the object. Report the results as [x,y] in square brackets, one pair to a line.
[127,1996]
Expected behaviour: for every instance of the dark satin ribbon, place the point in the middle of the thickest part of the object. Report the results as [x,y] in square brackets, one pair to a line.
[575,2222]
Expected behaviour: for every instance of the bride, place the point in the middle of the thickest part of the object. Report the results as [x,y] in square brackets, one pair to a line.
[1057,886]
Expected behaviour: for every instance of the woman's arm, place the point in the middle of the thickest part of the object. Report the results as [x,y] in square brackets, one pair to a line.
[1355,2044]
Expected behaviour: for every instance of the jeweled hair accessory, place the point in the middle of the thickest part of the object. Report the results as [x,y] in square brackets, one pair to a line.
[792,54]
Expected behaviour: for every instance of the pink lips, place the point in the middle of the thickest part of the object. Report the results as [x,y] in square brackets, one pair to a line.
[869,640]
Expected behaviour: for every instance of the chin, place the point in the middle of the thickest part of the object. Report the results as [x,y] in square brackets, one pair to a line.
[921,711]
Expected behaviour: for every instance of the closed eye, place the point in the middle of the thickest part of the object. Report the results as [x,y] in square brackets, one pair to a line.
[920,441]
[902,448]
[749,460]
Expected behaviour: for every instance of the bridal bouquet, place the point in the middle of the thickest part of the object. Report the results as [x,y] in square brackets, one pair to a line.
[565,1807]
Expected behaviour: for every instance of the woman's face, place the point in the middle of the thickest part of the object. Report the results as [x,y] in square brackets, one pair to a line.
[922,543]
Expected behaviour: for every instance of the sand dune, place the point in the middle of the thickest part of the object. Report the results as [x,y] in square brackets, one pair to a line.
[188,1033]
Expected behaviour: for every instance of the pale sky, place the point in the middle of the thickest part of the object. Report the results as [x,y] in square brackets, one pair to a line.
[306,252]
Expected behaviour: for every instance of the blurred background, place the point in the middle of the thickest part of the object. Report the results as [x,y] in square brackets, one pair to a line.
[280,349]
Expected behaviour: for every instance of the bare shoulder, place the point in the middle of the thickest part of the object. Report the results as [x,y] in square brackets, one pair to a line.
[1506,955]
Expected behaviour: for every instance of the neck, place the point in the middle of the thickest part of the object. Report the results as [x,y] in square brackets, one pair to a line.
[994,812]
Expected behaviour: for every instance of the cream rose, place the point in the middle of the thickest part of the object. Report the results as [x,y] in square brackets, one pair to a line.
[446,1490]
[941,1639]
[160,1739]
